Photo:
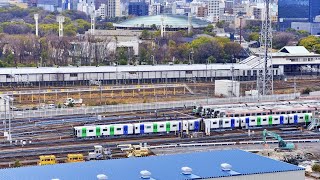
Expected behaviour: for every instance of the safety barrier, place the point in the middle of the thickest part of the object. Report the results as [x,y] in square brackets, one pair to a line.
[95,110]
[271,142]
[231,143]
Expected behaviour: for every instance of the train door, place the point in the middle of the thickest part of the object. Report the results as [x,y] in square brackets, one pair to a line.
[155,127]
[141,128]
[306,117]
[84,132]
[295,119]
[125,129]
[111,130]
[196,125]
[232,123]
[281,119]
[220,123]
[247,121]
[98,132]
[180,126]
[168,126]
[270,120]
[259,121]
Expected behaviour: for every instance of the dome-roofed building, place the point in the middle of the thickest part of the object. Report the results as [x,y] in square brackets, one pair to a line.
[169,21]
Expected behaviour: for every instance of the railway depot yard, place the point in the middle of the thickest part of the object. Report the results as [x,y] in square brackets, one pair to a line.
[180,124]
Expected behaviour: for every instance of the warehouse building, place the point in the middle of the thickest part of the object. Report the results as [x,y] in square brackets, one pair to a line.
[214,165]
[66,76]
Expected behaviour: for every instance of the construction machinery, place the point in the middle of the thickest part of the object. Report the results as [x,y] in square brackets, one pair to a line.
[134,150]
[283,146]
[100,153]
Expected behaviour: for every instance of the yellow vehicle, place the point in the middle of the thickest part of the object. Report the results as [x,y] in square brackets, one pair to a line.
[136,151]
[46,160]
[139,151]
[74,158]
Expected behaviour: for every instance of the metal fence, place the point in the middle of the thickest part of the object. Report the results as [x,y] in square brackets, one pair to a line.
[95,110]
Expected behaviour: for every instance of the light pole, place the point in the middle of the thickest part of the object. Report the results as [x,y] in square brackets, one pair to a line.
[36,18]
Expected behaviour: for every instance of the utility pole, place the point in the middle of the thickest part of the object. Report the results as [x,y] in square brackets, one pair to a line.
[265,76]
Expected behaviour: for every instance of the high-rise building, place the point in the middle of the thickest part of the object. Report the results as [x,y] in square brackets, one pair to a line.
[314,9]
[297,11]
[138,8]
[213,10]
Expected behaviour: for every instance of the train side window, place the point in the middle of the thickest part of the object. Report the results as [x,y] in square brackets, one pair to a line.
[309,111]
[258,114]
[304,111]
[236,115]
[298,111]
[264,119]
[276,119]
[226,122]
[118,129]
[301,117]
[293,112]
[242,115]
[264,113]
[90,130]
[277,112]
[148,127]
[136,127]
[253,120]
[283,112]
[214,122]
[79,131]
[161,126]
[104,129]
[231,115]
[174,125]
[248,114]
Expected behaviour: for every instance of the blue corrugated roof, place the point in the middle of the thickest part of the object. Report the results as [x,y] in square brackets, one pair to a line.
[168,167]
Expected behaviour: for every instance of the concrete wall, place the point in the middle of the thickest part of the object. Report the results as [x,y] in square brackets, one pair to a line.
[290,175]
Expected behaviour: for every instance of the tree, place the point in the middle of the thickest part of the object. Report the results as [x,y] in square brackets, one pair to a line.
[221,24]
[316,168]
[201,40]
[154,27]
[309,42]
[145,34]
[303,33]
[254,36]
[208,29]
[211,59]
[282,39]
[232,50]
[17,164]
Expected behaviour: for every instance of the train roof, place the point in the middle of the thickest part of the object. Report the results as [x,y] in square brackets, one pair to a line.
[125,68]
[204,165]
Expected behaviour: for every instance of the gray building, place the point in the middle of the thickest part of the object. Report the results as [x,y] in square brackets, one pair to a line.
[312,28]
[214,165]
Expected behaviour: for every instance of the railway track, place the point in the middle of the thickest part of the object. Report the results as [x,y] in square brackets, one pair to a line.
[86,145]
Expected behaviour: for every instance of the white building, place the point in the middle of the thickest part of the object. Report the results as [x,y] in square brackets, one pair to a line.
[110,9]
[213,10]
[227,88]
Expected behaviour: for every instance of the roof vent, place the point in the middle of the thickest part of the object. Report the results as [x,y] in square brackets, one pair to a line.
[102,177]
[145,174]
[226,167]
[186,170]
